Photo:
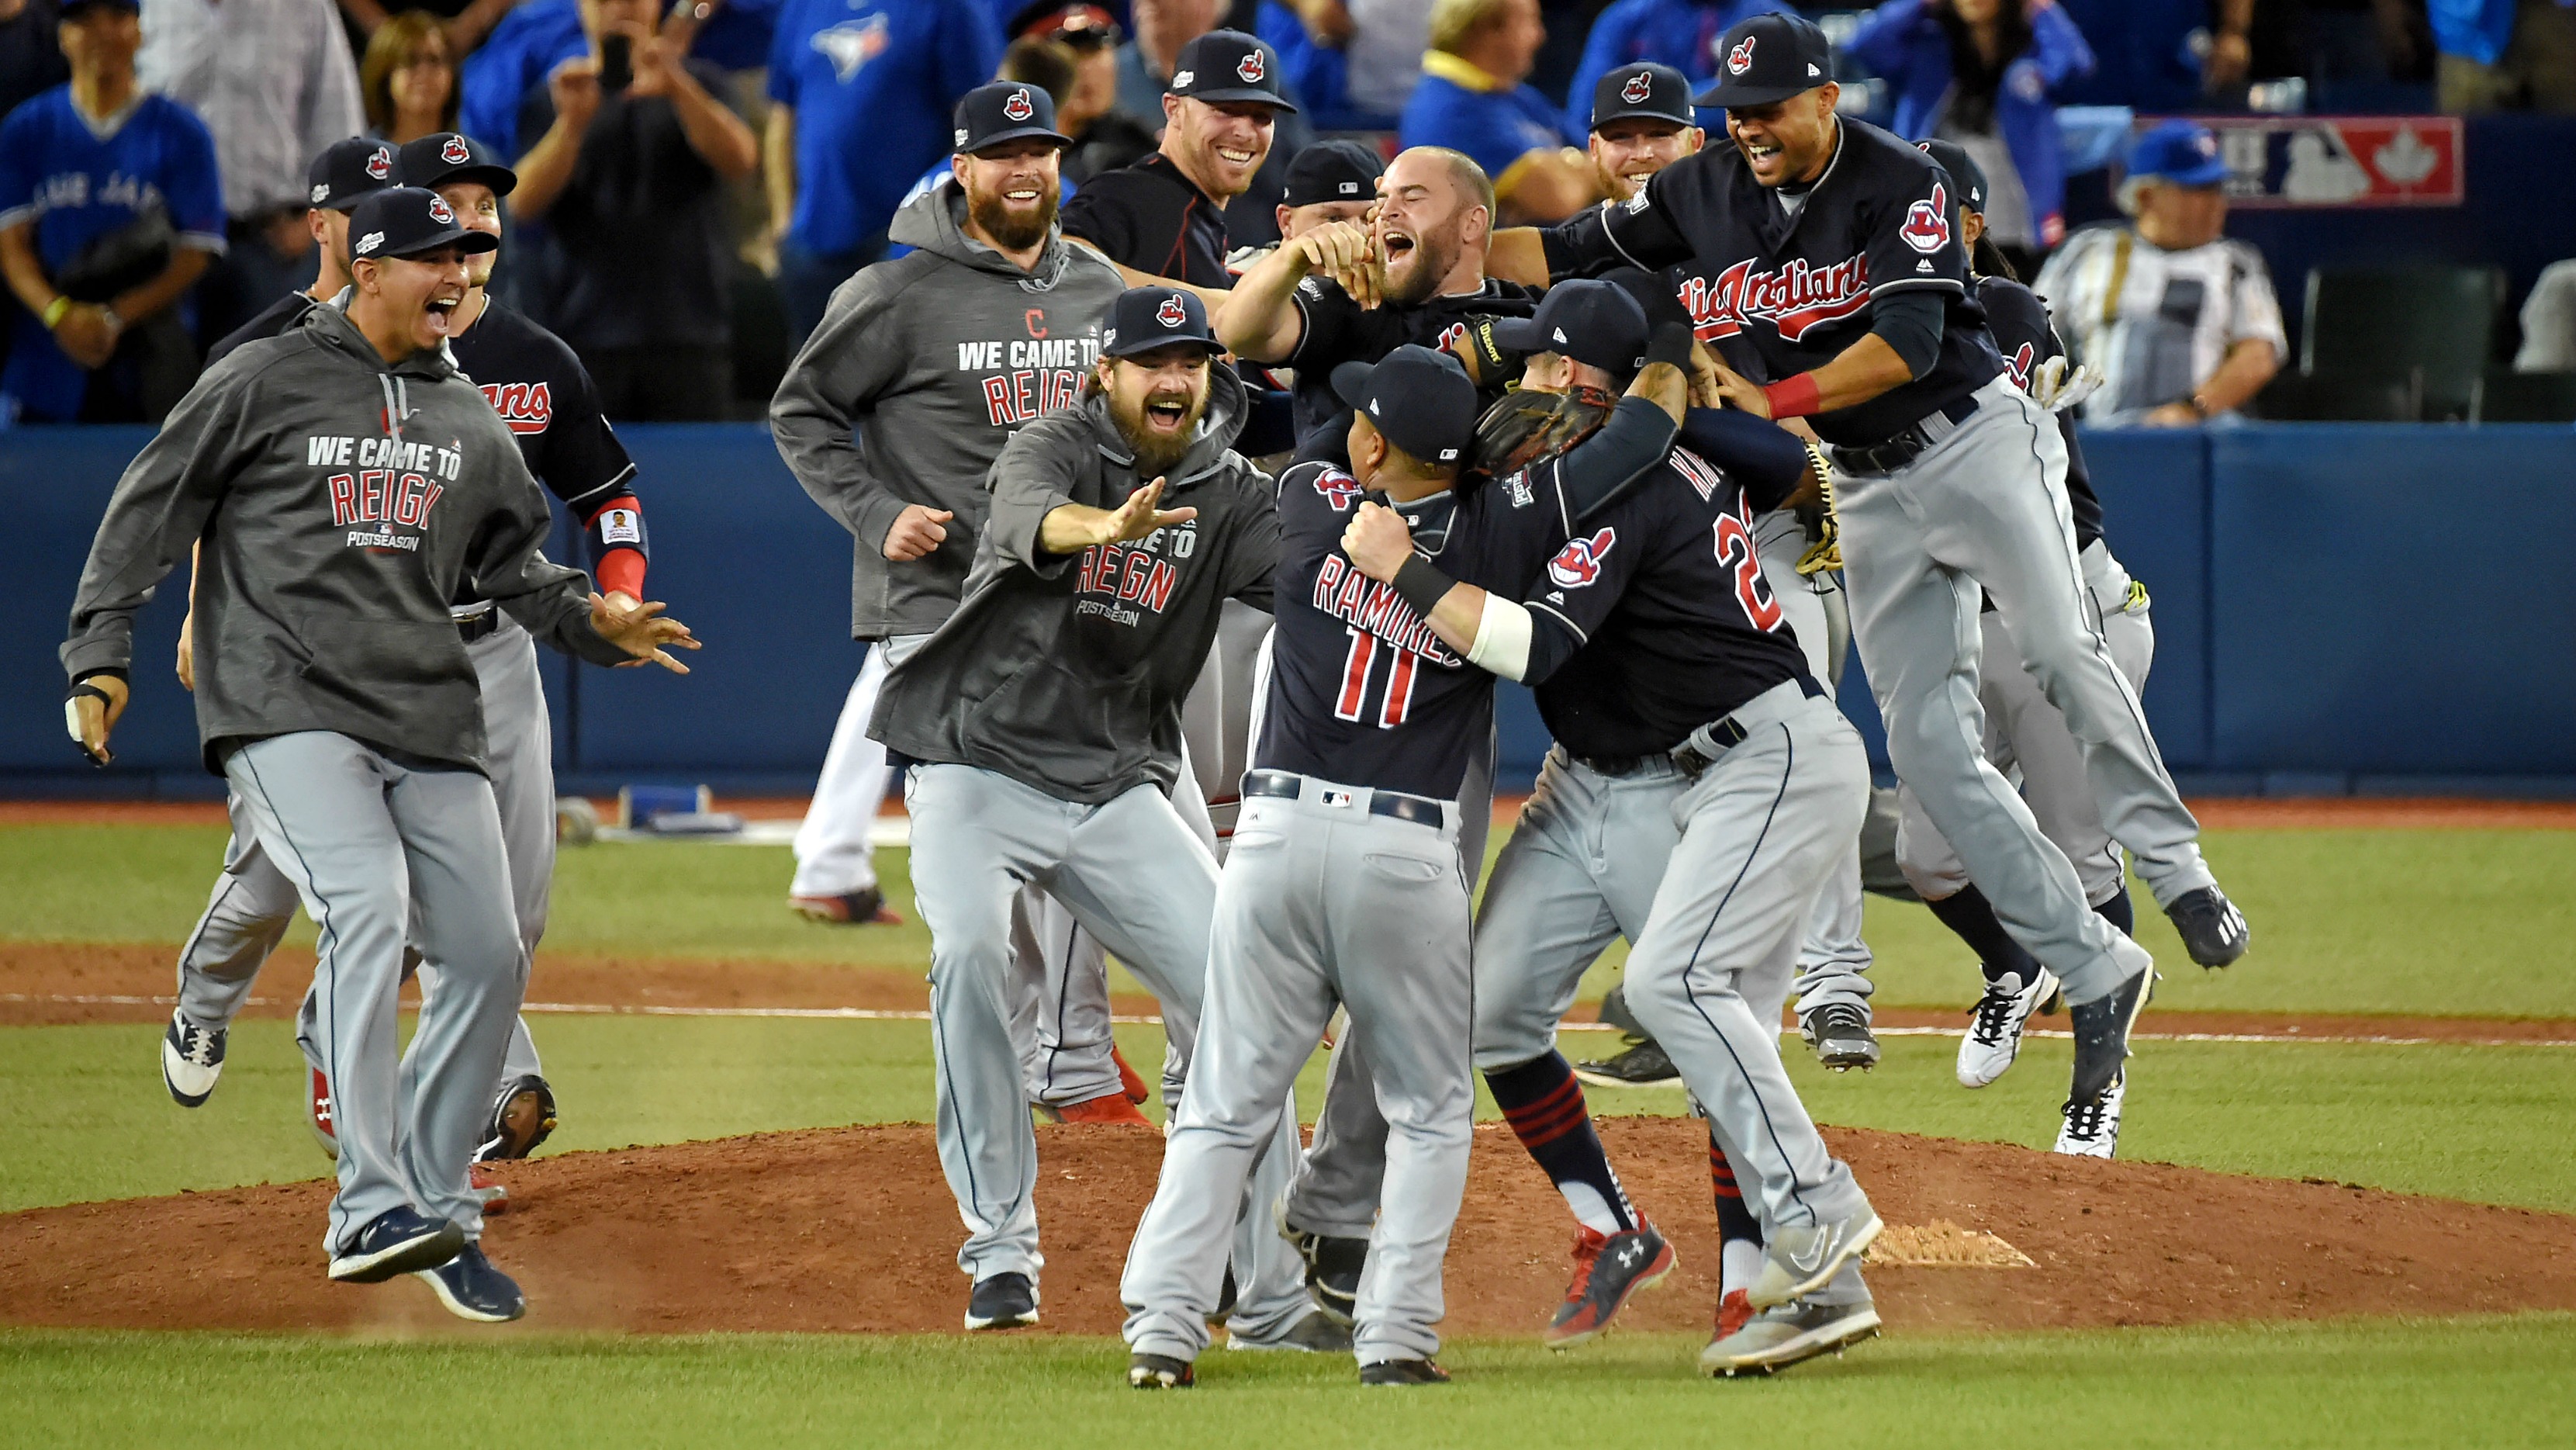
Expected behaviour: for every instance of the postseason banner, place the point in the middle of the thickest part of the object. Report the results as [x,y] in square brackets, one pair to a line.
[2340,161]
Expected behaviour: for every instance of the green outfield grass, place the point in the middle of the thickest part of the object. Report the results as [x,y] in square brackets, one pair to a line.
[2484,1382]
[2444,923]
[2457,1122]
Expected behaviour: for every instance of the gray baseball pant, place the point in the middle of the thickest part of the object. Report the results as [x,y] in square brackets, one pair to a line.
[1833,960]
[253,902]
[1322,902]
[1133,874]
[1985,505]
[2026,736]
[379,850]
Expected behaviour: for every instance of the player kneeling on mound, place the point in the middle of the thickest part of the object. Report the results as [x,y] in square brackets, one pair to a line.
[347,482]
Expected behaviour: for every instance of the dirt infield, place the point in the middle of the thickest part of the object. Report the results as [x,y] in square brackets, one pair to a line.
[852,1230]
[54,984]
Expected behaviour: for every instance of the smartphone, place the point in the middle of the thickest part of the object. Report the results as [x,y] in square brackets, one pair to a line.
[616,62]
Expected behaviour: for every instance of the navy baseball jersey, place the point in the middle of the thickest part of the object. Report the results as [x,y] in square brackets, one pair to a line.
[1657,618]
[2019,322]
[1780,282]
[1361,691]
[1338,330]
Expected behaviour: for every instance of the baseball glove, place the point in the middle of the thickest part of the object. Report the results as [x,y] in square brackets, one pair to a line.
[1525,427]
[1824,531]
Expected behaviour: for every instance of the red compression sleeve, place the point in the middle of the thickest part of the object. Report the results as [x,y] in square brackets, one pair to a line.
[621,571]
[1793,397]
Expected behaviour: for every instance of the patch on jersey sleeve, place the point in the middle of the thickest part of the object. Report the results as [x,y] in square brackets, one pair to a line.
[1927,223]
[1579,562]
[621,526]
[1338,488]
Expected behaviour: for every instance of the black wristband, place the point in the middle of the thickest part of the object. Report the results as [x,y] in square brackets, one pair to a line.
[1496,363]
[1422,585]
[1669,343]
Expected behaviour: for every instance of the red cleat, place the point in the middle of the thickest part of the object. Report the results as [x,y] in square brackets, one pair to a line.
[1106,1108]
[1608,1269]
[1734,1311]
[494,1193]
[317,1111]
[857,908]
[1127,1077]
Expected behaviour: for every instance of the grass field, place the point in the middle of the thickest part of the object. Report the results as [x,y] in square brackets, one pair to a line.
[2455,922]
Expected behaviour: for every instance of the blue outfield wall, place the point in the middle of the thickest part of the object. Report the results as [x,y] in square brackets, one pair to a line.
[2339,608]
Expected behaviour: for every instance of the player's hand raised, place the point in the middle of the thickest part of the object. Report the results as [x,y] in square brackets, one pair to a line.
[1138,517]
[1377,541]
[918,531]
[1348,252]
[641,632]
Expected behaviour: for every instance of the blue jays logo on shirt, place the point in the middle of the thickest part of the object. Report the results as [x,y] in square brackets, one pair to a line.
[852,44]
[1579,562]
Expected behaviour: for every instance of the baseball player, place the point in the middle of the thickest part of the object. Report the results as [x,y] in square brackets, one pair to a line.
[1825,255]
[347,484]
[1042,726]
[540,390]
[890,417]
[2025,733]
[339,178]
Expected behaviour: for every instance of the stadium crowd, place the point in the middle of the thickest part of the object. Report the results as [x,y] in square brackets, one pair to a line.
[693,182]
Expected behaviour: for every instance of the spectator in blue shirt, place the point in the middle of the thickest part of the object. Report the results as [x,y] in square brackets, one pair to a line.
[2502,55]
[860,94]
[1983,74]
[110,208]
[1678,33]
[1474,98]
[541,34]
[2143,52]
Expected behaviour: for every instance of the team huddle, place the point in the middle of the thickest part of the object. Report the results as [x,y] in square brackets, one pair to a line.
[1230,722]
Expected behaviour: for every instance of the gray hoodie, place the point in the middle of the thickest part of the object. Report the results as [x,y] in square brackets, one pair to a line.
[934,358]
[341,503]
[1067,671]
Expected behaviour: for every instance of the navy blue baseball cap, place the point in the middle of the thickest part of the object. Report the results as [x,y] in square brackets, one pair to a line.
[1769,58]
[1419,398]
[1646,91]
[347,171]
[1594,323]
[1228,65]
[1004,111]
[1965,173]
[1145,318]
[447,156]
[2184,153]
[404,221]
[1334,171]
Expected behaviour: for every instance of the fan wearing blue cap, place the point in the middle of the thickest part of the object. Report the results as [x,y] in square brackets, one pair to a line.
[2182,321]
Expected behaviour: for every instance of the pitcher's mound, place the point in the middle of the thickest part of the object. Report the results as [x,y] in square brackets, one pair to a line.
[852,1229]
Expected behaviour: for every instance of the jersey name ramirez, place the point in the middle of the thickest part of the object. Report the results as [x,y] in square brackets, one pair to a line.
[1123,582]
[1029,376]
[386,484]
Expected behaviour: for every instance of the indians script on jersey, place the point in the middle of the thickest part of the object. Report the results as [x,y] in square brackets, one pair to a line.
[390,483]
[1030,375]
[526,407]
[1793,299]
[1116,581]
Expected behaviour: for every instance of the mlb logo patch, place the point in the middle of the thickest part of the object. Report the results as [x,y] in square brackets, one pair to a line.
[1340,799]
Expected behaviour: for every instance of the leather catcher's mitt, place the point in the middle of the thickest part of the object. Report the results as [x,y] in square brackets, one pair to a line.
[1525,427]
[1824,531]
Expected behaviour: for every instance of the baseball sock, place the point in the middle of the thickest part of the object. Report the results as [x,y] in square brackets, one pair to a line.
[1544,1104]
[1739,1232]
[1968,914]
[2119,912]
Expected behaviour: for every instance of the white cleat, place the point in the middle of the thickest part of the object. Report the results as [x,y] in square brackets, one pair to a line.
[1995,1025]
[2092,1129]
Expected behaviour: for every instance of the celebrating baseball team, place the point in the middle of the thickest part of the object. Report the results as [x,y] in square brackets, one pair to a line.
[1185,579]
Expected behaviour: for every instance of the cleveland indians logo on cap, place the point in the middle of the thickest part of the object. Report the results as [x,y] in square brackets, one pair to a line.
[454,152]
[439,213]
[1172,313]
[1639,87]
[1249,68]
[1740,59]
[1579,562]
[1017,106]
[1927,223]
[381,165]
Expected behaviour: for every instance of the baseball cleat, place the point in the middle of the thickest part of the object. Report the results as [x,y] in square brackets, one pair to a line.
[2212,929]
[317,1111]
[192,1058]
[1113,1107]
[1311,1334]
[492,1191]
[1403,1372]
[1160,1372]
[1797,1262]
[472,1289]
[1004,1301]
[2091,1128]
[2102,1028]
[394,1242]
[1786,1334]
[1643,1065]
[1128,1079]
[1995,1025]
[523,1115]
[1608,1270]
[1841,1037]
[864,907]
[1734,1311]
[1332,1271]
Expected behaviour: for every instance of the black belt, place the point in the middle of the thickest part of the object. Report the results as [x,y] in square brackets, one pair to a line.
[480,626]
[1421,810]
[1684,757]
[1906,446]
